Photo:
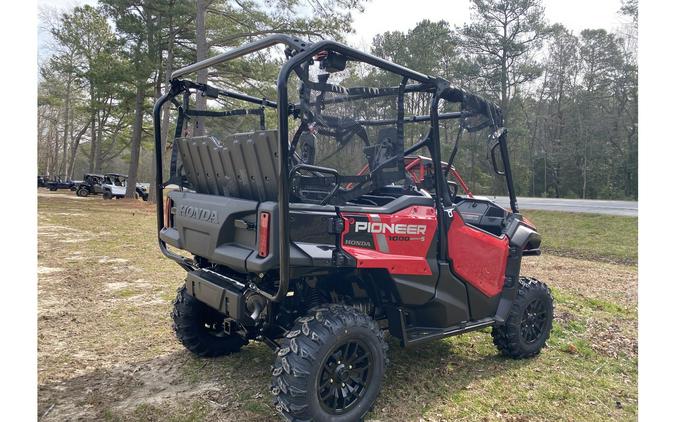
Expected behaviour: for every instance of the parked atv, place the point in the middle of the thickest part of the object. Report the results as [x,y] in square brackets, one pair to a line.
[115,186]
[341,223]
[57,183]
[90,185]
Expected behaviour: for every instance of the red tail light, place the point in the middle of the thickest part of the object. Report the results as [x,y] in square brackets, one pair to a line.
[264,234]
[168,204]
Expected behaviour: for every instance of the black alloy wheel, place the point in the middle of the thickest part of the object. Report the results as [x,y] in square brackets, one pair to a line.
[330,366]
[534,321]
[345,376]
[529,322]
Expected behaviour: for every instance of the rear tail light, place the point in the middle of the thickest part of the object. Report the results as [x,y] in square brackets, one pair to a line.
[264,234]
[168,204]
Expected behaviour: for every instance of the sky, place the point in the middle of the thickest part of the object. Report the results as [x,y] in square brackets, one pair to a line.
[389,15]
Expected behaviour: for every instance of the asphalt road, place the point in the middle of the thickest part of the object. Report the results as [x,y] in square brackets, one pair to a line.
[595,206]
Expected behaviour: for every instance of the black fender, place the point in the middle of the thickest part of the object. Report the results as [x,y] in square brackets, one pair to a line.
[524,237]
[523,240]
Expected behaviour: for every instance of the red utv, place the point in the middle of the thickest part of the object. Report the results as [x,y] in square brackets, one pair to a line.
[338,223]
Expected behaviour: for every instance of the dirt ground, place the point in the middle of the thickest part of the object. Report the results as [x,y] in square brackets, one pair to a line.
[106,350]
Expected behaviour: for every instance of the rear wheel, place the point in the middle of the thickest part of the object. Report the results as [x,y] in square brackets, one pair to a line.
[330,366]
[83,192]
[201,329]
[529,323]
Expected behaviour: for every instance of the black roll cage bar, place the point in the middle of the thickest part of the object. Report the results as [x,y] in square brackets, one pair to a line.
[298,51]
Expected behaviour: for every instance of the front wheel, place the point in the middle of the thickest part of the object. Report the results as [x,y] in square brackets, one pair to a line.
[528,326]
[107,195]
[330,366]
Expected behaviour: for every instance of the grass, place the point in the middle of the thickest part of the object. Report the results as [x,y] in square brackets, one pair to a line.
[591,236]
[106,350]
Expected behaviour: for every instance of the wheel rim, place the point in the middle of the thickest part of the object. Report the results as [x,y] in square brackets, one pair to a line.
[345,376]
[534,321]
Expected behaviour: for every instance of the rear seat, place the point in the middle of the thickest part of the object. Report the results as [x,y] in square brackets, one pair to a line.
[243,165]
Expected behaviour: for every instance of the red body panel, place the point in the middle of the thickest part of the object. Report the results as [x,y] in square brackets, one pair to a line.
[397,242]
[478,257]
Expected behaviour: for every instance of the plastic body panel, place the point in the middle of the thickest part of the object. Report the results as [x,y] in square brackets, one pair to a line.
[400,239]
[217,292]
[448,305]
[482,213]
[205,226]
[477,257]
[398,242]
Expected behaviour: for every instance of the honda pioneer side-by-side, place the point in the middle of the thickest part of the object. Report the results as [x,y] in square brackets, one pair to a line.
[337,222]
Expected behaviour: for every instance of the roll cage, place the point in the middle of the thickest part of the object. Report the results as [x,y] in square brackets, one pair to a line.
[299,52]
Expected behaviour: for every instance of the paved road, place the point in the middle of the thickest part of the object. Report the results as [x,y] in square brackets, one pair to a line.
[627,208]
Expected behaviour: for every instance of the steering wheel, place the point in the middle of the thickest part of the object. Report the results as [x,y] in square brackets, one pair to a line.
[316,169]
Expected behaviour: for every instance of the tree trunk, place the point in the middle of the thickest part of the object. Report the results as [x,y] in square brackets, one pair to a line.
[66,131]
[93,143]
[200,37]
[71,159]
[75,144]
[54,143]
[136,139]
[98,166]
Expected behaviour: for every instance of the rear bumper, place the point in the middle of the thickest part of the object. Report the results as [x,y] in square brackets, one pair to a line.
[218,292]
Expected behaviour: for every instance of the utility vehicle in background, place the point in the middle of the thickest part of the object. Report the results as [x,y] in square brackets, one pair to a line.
[115,186]
[338,223]
[57,183]
[90,185]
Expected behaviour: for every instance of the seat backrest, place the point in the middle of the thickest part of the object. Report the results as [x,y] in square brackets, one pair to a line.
[243,165]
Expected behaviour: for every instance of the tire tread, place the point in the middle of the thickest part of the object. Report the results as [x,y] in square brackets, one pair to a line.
[506,336]
[297,355]
[185,317]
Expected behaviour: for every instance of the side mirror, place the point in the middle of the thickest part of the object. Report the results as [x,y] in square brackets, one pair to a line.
[452,189]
